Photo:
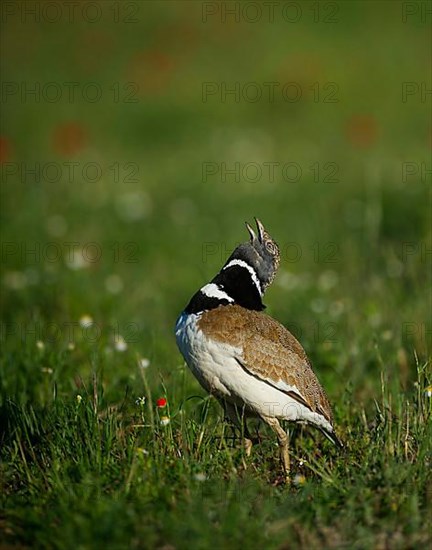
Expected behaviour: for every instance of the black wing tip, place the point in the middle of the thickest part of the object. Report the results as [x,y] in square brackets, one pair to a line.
[338,442]
[333,438]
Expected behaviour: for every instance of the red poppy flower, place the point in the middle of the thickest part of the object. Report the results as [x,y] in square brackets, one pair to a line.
[5,149]
[151,71]
[362,130]
[69,139]
[161,402]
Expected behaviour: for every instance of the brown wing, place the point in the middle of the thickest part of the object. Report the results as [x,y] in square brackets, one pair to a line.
[269,352]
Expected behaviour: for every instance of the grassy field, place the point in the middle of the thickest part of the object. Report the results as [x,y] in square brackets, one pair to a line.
[133,148]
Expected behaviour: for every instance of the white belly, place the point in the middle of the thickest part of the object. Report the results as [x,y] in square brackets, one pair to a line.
[216,368]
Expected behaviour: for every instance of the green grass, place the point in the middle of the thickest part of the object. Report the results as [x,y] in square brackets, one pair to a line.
[80,471]
[85,458]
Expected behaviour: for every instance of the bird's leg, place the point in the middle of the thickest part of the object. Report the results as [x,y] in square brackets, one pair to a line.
[283,442]
[248,439]
[239,420]
[248,444]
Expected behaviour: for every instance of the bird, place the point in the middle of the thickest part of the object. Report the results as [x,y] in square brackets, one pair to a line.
[246,359]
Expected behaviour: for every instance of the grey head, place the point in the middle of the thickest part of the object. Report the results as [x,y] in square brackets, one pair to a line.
[261,253]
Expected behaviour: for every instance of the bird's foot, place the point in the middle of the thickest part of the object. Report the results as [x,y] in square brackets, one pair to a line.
[248,444]
[282,479]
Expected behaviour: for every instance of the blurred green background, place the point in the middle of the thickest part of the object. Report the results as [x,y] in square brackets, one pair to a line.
[136,139]
[129,141]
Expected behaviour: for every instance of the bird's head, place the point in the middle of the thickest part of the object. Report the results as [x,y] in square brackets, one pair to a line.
[261,253]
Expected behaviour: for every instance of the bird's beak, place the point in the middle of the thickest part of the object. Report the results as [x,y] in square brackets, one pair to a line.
[261,230]
[251,232]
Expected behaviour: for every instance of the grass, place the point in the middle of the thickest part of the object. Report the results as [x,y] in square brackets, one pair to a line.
[87,457]
[81,470]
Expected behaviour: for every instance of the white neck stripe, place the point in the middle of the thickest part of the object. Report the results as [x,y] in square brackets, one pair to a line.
[212,290]
[251,270]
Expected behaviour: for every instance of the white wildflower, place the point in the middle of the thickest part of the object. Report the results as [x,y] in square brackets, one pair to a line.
[143,363]
[56,226]
[164,420]
[299,480]
[328,279]
[86,321]
[114,284]
[200,476]
[15,280]
[120,344]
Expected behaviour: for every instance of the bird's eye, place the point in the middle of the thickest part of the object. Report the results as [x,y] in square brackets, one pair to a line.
[271,247]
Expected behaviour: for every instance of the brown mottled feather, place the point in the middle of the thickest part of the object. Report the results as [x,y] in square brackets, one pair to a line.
[270,351]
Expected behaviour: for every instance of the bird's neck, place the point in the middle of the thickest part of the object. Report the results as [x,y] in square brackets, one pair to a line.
[236,283]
